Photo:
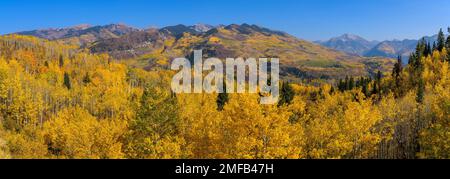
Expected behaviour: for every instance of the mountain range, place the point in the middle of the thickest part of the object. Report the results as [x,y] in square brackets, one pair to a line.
[155,47]
[354,44]
[349,43]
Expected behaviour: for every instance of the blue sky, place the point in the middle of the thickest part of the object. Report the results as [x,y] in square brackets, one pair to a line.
[306,19]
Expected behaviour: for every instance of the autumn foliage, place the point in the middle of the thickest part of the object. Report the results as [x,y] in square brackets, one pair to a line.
[57,101]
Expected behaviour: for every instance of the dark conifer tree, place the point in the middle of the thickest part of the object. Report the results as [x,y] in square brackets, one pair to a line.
[420,91]
[448,45]
[351,83]
[396,74]
[441,41]
[341,85]
[67,82]
[87,78]
[61,61]
[286,94]
[347,84]
[434,46]
[222,98]
[365,89]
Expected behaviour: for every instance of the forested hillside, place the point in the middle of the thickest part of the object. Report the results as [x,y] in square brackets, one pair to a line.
[155,48]
[60,101]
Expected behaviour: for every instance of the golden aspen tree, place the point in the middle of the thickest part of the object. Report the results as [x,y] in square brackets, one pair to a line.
[435,137]
[250,130]
[341,128]
[200,125]
[74,133]
[4,151]
[26,144]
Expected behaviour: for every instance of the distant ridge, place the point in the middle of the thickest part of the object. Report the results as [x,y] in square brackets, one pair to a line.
[349,43]
[155,47]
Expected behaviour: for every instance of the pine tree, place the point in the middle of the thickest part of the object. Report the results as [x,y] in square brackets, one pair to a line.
[428,50]
[286,95]
[448,45]
[377,85]
[341,85]
[396,74]
[87,78]
[347,84]
[61,61]
[365,90]
[441,41]
[222,98]
[434,46]
[67,82]
[420,91]
[351,83]
[412,59]
[379,77]
[375,89]
[332,90]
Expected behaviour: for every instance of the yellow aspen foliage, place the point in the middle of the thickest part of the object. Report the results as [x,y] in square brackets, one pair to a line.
[435,137]
[27,144]
[252,131]
[74,133]
[4,151]
[118,110]
[340,128]
[214,40]
[200,125]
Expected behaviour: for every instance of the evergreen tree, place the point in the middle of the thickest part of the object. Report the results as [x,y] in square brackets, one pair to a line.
[341,85]
[347,84]
[222,98]
[428,50]
[351,83]
[286,94]
[396,73]
[412,59]
[375,89]
[441,41]
[379,76]
[378,83]
[87,78]
[67,82]
[332,90]
[420,91]
[448,45]
[365,89]
[61,61]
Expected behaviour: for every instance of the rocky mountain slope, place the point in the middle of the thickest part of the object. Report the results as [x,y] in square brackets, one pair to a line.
[82,34]
[155,48]
[349,43]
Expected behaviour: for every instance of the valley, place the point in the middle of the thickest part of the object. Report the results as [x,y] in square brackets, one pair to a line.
[155,48]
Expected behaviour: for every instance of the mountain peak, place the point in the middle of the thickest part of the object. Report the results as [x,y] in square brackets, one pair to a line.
[202,27]
[81,27]
[249,29]
[349,37]
[349,43]
[352,36]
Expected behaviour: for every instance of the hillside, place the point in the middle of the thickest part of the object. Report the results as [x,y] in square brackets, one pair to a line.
[349,43]
[82,34]
[299,58]
[59,102]
[394,48]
